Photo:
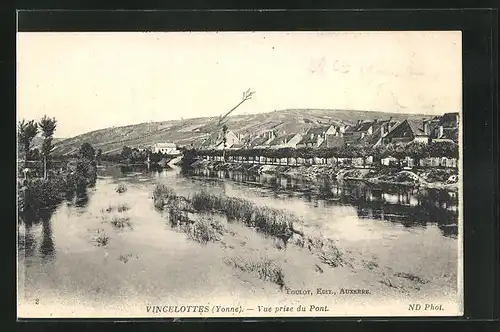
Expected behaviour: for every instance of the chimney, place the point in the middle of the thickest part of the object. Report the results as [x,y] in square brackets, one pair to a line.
[441,132]
[425,128]
[312,135]
[375,120]
[382,130]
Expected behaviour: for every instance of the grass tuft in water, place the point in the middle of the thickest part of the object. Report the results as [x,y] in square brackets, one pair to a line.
[101,238]
[123,207]
[162,194]
[265,269]
[121,188]
[121,222]
[206,229]
[331,255]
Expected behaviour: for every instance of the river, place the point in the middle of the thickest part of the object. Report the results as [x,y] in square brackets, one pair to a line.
[402,242]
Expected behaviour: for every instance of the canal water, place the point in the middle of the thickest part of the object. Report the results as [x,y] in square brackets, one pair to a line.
[389,232]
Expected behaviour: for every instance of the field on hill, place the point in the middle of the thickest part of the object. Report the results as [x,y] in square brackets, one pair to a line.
[186,131]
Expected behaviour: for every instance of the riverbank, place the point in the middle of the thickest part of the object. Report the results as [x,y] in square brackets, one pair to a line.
[438,178]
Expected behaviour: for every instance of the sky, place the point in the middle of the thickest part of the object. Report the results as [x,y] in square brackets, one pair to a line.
[89,81]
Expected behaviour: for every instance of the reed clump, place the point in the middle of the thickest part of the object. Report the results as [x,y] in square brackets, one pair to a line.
[330,254]
[266,220]
[263,268]
[123,207]
[101,238]
[121,222]
[121,188]
[206,229]
[162,194]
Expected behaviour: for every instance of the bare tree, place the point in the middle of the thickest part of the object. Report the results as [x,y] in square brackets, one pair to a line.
[247,95]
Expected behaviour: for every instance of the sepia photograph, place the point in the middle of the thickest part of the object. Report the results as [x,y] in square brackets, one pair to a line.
[239,174]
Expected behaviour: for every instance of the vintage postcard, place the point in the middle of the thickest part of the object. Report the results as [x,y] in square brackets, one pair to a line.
[239,174]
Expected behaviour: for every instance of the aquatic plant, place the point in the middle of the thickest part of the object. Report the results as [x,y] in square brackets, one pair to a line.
[123,207]
[206,229]
[162,194]
[121,188]
[263,268]
[331,255]
[266,220]
[101,238]
[121,222]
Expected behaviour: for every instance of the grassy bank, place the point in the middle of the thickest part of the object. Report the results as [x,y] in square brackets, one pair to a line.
[445,178]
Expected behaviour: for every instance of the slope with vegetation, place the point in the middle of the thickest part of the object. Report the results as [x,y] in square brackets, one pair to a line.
[186,131]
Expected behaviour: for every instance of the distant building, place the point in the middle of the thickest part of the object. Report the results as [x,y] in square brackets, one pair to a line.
[216,141]
[355,133]
[380,129]
[409,131]
[445,128]
[165,148]
[285,141]
[332,141]
[315,136]
[261,141]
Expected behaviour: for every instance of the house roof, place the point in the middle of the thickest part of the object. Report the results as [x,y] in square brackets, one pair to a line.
[257,141]
[416,127]
[449,120]
[362,127]
[165,145]
[237,146]
[315,131]
[282,139]
[373,138]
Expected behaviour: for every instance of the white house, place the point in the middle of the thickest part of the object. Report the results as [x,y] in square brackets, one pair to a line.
[165,148]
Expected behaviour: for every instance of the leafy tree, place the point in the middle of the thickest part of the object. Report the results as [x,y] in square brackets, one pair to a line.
[26,132]
[126,152]
[87,151]
[443,149]
[48,127]
[416,150]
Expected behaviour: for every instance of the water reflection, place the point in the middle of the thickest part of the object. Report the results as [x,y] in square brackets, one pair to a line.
[28,238]
[47,247]
[411,207]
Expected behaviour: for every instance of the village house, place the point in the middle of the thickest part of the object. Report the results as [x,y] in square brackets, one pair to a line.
[165,148]
[285,141]
[315,136]
[445,128]
[355,133]
[408,131]
[332,141]
[215,141]
[261,141]
[380,130]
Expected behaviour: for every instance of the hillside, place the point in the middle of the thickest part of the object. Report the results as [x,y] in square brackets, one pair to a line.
[184,132]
